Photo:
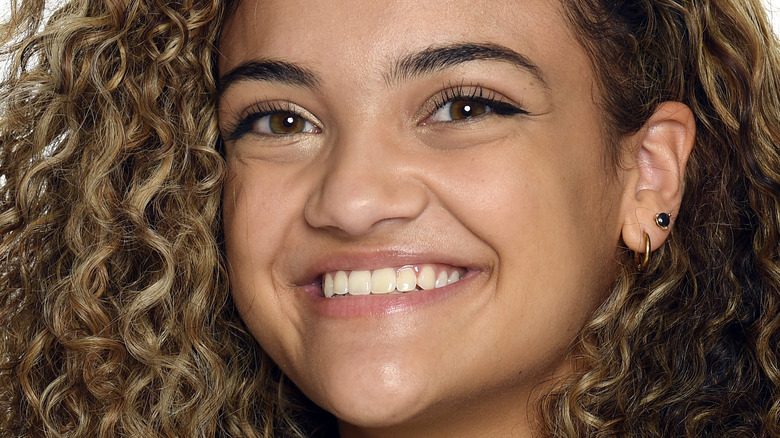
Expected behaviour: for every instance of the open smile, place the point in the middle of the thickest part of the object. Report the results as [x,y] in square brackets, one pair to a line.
[392,280]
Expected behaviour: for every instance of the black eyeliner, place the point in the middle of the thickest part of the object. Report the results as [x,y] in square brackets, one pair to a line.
[476,93]
[238,129]
[255,112]
[499,107]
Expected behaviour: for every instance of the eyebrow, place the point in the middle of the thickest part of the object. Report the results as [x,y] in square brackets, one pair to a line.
[425,62]
[270,71]
[434,59]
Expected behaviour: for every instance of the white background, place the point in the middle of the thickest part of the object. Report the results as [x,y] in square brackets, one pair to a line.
[774,13]
[772,5]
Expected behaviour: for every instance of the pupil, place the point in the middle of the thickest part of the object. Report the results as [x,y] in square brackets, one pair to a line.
[289,121]
[465,109]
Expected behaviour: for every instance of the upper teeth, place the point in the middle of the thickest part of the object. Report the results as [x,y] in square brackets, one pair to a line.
[388,280]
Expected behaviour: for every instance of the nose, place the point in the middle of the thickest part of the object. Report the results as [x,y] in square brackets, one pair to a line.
[366,181]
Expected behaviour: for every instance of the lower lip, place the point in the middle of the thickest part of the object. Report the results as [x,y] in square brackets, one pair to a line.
[354,306]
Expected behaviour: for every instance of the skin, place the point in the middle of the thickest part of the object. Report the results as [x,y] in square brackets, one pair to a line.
[526,203]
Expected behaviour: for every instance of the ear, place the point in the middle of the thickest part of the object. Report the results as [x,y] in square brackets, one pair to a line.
[655,169]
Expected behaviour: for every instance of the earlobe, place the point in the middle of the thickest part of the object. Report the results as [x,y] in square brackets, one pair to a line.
[655,166]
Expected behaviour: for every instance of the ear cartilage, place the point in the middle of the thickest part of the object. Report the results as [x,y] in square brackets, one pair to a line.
[663,220]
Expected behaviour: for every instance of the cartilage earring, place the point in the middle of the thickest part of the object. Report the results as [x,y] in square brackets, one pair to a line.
[643,259]
[663,220]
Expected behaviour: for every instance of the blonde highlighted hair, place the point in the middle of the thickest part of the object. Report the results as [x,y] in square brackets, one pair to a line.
[691,345]
[114,310]
[115,317]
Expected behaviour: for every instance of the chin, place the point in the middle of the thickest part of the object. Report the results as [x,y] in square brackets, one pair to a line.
[379,398]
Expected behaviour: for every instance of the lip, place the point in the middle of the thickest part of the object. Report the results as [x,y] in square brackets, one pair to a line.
[310,289]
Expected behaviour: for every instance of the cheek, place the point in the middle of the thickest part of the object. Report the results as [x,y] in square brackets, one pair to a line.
[257,209]
[541,203]
[253,220]
[242,235]
[245,209]
[512,196]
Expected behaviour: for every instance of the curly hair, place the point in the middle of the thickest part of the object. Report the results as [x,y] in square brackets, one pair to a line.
[115,315]
[690,346]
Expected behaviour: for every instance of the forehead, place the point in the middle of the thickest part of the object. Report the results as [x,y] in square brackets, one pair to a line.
[361,37]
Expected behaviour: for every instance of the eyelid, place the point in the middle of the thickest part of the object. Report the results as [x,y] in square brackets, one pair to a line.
[243,123]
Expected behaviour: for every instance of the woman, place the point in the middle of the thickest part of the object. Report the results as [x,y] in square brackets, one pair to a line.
[547,219]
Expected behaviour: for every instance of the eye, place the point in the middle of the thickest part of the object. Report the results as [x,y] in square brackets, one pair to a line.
[465,103]
[282,123]
[455,110]
[273,119]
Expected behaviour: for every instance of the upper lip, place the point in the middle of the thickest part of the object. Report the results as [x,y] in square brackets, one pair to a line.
[345,259]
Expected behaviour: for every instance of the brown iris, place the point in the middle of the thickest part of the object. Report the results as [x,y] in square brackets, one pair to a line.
[286,123]
[464,109]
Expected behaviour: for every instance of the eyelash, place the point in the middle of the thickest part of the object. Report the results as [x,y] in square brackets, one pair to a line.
[259,110]
[471,93]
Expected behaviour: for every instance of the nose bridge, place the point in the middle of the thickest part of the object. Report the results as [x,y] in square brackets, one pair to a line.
[367,180]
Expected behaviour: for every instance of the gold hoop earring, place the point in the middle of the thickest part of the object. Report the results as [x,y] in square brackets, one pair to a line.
[642,261]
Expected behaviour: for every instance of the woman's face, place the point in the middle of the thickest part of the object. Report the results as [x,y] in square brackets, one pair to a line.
[372,144]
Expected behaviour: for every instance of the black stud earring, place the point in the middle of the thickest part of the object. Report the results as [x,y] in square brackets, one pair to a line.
[663,220]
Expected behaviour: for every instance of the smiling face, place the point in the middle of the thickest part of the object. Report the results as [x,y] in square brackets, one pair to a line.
[450,155]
